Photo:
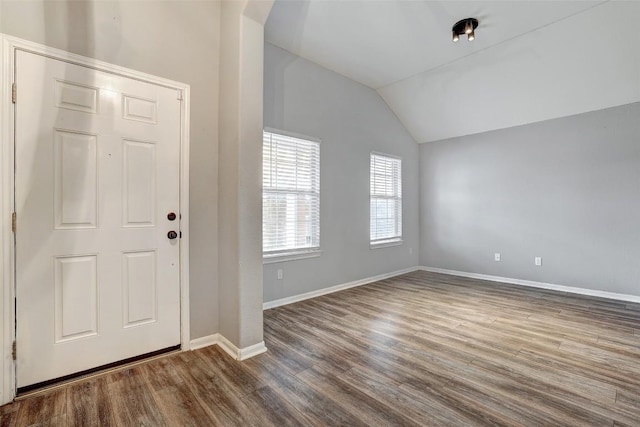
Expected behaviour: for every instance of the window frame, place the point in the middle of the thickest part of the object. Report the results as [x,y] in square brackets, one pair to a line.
[289,254]
[397,239]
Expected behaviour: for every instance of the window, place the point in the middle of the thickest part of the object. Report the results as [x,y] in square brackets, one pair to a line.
[386,199]
[290,195]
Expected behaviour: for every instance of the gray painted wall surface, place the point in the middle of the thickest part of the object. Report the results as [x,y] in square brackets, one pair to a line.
[172,39]
[351,120]
[567,190]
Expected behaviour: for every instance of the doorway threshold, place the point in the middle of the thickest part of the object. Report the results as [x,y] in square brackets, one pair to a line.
[46,386]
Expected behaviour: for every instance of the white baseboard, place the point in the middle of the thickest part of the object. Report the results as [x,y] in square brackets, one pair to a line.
[204,341]
[240,353]
[252,350]
[301,297]
[541,285]
[230,348]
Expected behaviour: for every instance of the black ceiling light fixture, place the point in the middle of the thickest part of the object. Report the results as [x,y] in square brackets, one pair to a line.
[465,26]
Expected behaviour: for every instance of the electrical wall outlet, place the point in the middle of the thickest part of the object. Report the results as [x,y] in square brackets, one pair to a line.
[538,261]
[496,256]
[280,274]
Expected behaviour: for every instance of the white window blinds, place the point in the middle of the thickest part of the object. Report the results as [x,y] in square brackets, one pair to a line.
[290,194]
[386,199]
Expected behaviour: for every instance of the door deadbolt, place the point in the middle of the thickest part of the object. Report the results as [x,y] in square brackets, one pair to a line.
[172,235]
[171,216]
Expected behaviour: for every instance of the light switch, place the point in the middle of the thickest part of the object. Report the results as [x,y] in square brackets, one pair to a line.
[538,261]
[496,256]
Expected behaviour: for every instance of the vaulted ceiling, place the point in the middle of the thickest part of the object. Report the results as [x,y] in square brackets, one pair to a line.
[530,61]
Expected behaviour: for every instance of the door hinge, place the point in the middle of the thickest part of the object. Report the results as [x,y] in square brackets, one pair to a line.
[179,95]
[14,220]
[14,351]
[14,93]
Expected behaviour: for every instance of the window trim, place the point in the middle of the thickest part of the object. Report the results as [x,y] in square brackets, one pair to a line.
[282,255]
[273,258]
[389,241]
[292,134]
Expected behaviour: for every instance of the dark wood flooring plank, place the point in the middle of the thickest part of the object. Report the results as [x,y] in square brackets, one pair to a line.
[358,403]
[581,366]
[176,401]
[42,408]
[9,414]
[418,349]
[288,356]
[558,400]
[217,397]
[272,408]
[424,411]
[88,404]
[240,380]
[59,421]
[132,400]
[317,407]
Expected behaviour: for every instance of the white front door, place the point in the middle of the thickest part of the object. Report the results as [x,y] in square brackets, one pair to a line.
[97,175]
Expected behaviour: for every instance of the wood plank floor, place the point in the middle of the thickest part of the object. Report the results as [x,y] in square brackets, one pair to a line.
[419,349]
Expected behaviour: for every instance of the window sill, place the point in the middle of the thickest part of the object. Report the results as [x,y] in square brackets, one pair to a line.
[290,256]
[386,244]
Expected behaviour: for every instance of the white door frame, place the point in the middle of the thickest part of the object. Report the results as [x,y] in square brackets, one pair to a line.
[8,47]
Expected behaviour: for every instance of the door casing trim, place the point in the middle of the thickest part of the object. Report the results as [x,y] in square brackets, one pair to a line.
[8,47]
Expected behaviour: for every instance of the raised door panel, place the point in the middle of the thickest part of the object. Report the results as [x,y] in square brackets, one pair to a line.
[139,285]
[76,297]
[139,183]
[76,180]
[139,109]
[75,96]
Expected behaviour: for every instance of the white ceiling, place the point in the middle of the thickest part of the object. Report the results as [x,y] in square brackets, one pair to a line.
[378,43]
[531,60]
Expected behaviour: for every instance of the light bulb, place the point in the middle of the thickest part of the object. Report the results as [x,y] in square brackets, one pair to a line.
[468,27]
[455,37]
[472,36]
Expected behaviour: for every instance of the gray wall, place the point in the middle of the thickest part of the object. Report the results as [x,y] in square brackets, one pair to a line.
[172,39]
[351,120]
[567,190]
